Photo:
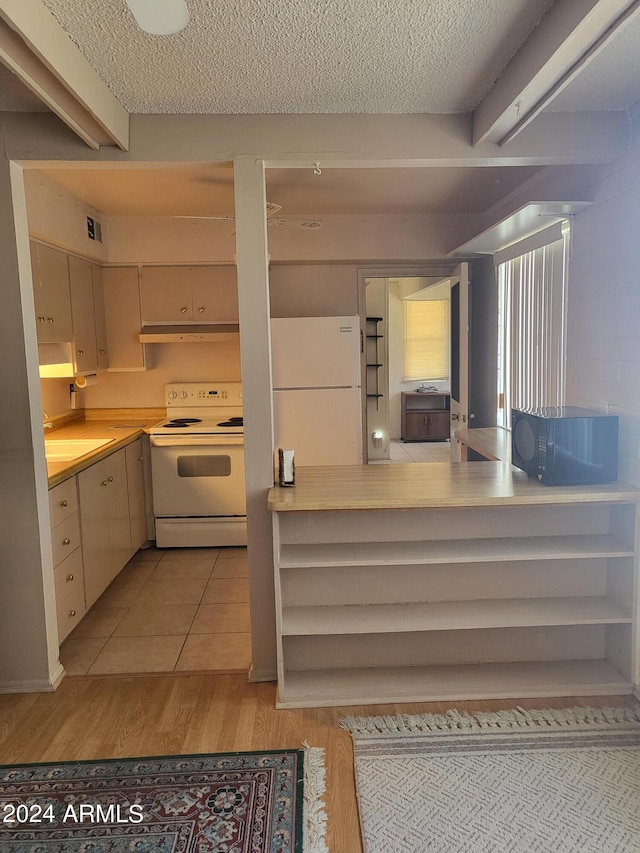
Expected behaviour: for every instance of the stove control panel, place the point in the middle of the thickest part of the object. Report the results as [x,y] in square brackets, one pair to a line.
[203,394]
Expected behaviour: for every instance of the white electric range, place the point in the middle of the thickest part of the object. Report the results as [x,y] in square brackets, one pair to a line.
[197,467]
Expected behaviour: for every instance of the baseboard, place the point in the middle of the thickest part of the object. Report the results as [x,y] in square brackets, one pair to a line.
[256,675]
[41,685]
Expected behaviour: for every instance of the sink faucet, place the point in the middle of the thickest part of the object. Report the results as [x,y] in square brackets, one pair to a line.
[45,416]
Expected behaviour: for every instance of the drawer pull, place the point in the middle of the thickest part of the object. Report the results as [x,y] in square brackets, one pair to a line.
[105,483]
[70,577]
[111,479]
[183,310]
[66,541]
[201,310]
[72,613]
[64,503]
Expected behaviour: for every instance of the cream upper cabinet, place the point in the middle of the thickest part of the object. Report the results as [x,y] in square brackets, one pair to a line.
[185,293]
[122,312]
[51,294]
[82,312]
[215,294]
[100,317]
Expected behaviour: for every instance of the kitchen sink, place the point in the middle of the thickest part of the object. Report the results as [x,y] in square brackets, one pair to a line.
[66,450]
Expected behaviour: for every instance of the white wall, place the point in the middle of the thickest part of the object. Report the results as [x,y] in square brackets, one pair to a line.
[603,364]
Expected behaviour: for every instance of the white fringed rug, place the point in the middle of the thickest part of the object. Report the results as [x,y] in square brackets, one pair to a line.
[551,781]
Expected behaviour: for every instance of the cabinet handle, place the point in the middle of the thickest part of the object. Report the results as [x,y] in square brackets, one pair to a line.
[183,310]
[201,310]
[104,483]
[64,503]
[72,613]
[66,541]
[49,319]
[102,351]
[40,319]
[139,458]
[111,479]
[80,352]
[69,577]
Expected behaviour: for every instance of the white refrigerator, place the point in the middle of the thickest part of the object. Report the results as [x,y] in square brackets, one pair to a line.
[317,399]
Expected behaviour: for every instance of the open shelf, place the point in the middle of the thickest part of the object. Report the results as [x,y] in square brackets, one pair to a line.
[453,551]
[450,615]
[375,685]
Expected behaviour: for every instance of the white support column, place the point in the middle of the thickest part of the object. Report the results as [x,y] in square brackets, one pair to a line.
[255,351]
[28,629]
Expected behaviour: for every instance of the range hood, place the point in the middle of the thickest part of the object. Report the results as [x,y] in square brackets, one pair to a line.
[187,334]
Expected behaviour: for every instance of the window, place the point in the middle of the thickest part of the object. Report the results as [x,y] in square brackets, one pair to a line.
[532,301]
[426,339]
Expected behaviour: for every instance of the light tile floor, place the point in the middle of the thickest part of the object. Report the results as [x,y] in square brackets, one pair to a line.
[174,610]
[420,451]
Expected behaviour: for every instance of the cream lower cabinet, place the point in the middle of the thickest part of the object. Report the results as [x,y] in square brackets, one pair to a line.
[67,556]
[104,513]
[136,493]
[456,603]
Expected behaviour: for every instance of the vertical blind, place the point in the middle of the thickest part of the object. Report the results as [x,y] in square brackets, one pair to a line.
[426,339]
[532,300]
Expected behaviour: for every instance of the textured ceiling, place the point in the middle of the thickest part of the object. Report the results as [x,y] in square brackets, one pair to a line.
[304,56]
[611,81]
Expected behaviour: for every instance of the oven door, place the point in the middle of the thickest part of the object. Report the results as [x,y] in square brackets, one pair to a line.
[198,476]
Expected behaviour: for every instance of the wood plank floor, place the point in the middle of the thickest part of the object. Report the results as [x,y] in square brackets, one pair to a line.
[114,717]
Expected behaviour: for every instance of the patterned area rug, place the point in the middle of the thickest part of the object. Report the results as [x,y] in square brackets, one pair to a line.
[243,802]
[509,782]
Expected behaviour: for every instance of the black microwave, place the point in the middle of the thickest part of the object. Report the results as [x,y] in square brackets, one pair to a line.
[565,445]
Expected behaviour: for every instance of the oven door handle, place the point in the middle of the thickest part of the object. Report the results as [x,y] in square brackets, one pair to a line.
[197,441]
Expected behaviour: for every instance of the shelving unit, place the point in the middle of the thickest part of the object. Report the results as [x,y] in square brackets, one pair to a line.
[424,416]
[373,362]
[520,590]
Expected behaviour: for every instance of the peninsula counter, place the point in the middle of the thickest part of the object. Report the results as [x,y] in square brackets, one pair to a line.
[440,581]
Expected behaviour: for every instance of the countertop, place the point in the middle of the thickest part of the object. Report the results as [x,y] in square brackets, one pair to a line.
[121,426]
[491,442]
[430,484]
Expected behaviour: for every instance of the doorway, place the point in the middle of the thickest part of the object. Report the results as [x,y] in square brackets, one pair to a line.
[397,372]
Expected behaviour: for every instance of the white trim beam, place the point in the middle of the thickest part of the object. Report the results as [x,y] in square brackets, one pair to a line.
[569,37]
[39,52]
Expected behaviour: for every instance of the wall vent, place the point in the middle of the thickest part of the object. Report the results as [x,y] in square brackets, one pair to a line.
[94,229]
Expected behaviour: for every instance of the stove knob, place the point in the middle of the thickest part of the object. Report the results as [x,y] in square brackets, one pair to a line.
[172,395]
[182,395]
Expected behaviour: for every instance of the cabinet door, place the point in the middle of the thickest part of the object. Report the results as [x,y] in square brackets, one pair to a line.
[439,425]
[122,312]
[118,502]
[83,316]
[215,294]
[135,486]
[416,426]
[94,521]
[100,318]
[51,295]
[165,294]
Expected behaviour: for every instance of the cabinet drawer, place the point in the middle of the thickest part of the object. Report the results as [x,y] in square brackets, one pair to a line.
[65,538]
[63,501]
[69,586]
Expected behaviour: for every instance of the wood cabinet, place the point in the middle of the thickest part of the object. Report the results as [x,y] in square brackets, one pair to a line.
[508,589]
[51,294]
[123,319]
[425,416]
[83,315]
[187,293]
[104,514]
[67,556]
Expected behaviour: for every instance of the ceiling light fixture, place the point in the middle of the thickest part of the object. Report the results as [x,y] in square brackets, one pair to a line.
[160,17]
